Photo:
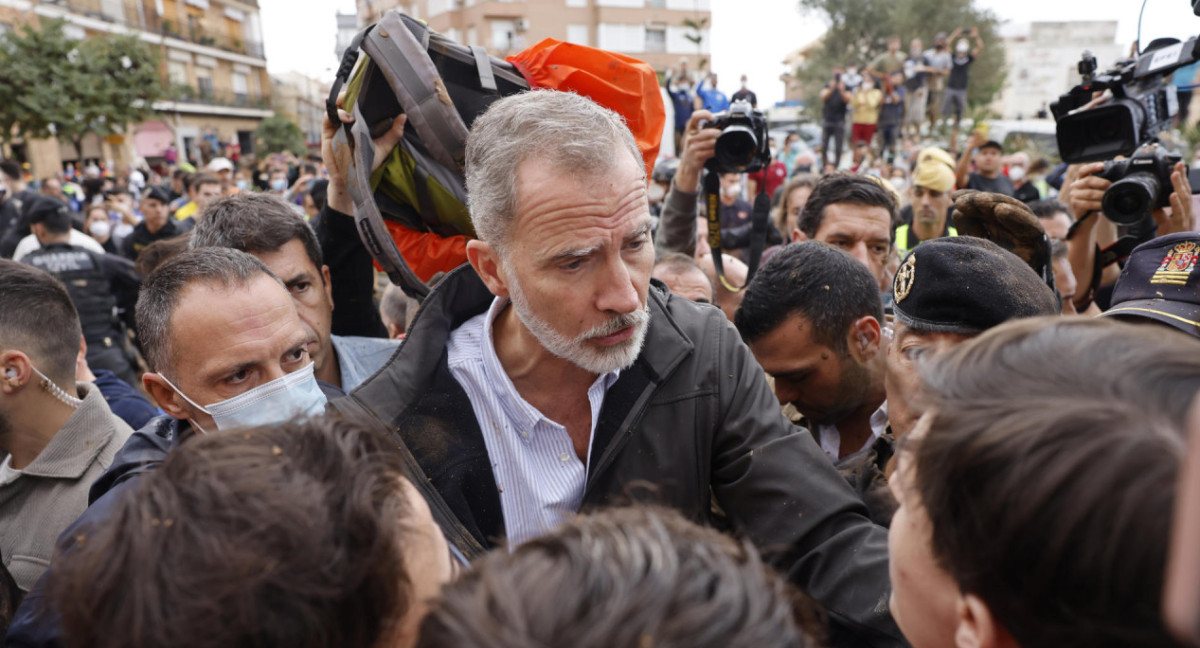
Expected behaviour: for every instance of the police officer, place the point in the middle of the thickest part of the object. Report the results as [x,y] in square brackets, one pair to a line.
[928,215]
[14,200]
[156,224]
[102,286]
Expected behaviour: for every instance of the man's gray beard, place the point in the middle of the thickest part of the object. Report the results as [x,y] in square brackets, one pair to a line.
[577,351]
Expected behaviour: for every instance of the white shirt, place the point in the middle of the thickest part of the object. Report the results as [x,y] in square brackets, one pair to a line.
[538,474]
[30,243]
[831,440]
[8,474]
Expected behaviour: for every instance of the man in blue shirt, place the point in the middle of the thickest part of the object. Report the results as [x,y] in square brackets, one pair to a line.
[709,97]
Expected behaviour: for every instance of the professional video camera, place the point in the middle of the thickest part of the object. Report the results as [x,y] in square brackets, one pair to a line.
[1126,124]
[742,146]
[1141,106]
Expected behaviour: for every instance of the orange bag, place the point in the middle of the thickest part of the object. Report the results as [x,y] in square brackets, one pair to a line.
[622,84]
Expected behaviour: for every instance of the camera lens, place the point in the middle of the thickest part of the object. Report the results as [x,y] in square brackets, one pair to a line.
[736,147]
[1130,199]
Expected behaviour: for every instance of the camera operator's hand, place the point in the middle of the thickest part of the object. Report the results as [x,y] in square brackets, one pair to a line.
[1087,191]
[699,145]
[337,162]
[1179,218]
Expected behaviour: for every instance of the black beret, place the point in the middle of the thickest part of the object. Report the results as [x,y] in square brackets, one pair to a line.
[159,194]
[965,284]
[1160,282]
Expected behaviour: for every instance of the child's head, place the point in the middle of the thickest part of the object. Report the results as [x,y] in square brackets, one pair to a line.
[1036,495]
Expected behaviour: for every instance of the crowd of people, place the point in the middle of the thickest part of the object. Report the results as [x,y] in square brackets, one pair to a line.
[949,407]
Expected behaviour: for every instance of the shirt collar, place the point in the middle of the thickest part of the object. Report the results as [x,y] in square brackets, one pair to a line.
[80,439]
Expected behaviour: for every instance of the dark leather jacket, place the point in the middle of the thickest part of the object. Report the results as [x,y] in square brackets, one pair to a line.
[692,419]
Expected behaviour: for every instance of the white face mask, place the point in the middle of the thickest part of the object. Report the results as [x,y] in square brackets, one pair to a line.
[899,183]
[731,191]
[1016,173]
[962,47]
[867,85]
[294,395]
[100,229]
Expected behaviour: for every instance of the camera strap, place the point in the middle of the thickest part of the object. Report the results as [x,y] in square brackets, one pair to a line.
[759,219]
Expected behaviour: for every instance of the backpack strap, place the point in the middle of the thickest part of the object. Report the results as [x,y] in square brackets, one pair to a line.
[404,62]
[483,63]
[367,218]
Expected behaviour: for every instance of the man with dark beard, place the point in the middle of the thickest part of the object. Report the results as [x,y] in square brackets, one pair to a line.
[813,319]
[554,374]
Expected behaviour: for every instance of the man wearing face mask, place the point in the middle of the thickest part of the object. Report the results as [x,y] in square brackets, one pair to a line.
[955,101]
[103,287]
[226,349]
[746,94]
[1018,172]
[735,210]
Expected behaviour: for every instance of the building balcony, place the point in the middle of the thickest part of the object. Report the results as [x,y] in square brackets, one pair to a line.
[136,15]
[210,97]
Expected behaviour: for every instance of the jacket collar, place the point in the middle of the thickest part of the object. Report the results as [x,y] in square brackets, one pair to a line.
[75,446]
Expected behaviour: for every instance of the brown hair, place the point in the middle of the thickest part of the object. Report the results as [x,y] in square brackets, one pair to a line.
[622,578]
[1048,475]
[274,536]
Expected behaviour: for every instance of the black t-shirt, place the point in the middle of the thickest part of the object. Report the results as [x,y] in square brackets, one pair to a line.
[915,80]
[959,66]
[1027,193]
[835,108]
[1000,184]
[746,95]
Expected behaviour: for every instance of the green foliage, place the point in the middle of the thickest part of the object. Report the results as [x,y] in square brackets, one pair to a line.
[695,34]
[57,86]
[278,134]
[859,29]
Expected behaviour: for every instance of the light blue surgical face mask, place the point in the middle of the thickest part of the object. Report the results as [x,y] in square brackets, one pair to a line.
[278,185]
[242,185]
[296,395]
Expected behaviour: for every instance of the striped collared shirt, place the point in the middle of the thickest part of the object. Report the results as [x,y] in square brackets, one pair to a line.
[538,474]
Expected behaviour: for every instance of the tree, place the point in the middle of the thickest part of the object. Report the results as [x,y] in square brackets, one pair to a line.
[695,34]
[277,134]
[859,29]
[60,87]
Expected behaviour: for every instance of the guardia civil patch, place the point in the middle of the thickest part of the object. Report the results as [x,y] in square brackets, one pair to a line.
[1178,265]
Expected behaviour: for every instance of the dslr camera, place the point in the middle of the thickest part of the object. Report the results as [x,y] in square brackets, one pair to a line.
[742,146]
[1140,184]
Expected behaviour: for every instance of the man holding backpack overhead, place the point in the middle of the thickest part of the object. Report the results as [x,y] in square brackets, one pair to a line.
[553,373]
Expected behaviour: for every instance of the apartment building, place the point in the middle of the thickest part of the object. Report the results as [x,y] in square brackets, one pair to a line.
[301,99]
[211,55]
[654,31]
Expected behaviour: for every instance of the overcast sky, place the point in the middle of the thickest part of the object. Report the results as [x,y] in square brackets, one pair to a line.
[750,41]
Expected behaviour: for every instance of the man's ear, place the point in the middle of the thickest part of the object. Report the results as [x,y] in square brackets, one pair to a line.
[798,236]
[15,372]
[865,338]
[977,628]
[487,263]
[167,398]
[328,286]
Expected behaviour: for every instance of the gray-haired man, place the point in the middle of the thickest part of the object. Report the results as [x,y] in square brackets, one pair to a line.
[552,374]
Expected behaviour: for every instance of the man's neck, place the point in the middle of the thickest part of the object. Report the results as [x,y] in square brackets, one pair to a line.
[532,369]
[728,201]
[34,427]
[990,175]
[331,370]
[855,430]
[927,233]
[55,238]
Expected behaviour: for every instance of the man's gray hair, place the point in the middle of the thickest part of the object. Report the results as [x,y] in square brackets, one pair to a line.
[160,294]
[572,133]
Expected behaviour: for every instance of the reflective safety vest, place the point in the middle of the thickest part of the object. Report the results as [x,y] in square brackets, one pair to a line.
[903,235]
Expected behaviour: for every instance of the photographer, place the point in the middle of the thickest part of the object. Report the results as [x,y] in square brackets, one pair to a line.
[833,125]
[677,223]
[1092,231]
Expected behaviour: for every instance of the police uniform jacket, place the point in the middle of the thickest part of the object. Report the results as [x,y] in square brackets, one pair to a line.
[693,417]
[100,286]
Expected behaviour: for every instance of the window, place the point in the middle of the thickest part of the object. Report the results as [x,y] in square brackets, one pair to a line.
[204,82]
[576,3]
[578,34]
[656,39]
[502,34]
[240,89]
[113,9]
[177,72]
[472,36]
[621,38]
